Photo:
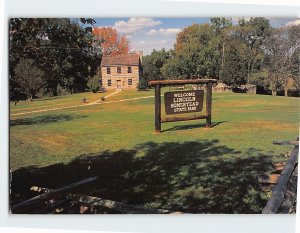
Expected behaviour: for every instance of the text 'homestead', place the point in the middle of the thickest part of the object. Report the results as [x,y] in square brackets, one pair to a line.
[184,101]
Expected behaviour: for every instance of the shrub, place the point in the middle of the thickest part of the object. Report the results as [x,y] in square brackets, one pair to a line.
[143,84]
[94,84]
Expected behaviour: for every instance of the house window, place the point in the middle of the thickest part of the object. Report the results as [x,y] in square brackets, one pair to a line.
[108,70]
[119,70]
[129,69]
[130,82]
[109,82]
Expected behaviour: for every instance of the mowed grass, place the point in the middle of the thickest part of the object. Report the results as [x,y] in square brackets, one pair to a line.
[187,167]
[55,102]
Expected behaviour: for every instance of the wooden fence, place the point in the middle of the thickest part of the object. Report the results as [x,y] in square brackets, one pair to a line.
[284,193]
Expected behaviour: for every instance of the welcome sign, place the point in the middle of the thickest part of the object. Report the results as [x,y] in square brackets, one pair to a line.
[183,101]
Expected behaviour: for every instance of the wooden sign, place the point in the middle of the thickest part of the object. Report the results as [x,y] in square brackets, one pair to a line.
[182,101]
[178,102]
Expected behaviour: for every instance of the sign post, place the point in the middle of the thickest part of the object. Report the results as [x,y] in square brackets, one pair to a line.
[179,102]
[208,104]
[157,109]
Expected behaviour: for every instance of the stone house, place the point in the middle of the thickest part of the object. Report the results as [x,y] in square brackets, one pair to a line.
[121,71]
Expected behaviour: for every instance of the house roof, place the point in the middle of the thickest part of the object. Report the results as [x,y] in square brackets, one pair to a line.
[125,59]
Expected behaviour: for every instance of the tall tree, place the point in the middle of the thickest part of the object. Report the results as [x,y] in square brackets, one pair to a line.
[233,72]
[29,78]
[281,48]
[111,42]
[253,33]
[153,63]
[197,53]
[64,50]
[296,68]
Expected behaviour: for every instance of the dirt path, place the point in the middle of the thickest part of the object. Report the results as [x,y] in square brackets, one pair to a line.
[106,97]
[82,105]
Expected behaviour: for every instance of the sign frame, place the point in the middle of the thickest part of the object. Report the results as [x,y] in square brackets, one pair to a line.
[157,108]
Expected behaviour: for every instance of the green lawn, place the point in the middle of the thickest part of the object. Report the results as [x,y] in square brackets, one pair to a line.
[187,167]
[55,102]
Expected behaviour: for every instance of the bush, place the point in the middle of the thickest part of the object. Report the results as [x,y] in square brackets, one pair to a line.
[143,84]
[94,84]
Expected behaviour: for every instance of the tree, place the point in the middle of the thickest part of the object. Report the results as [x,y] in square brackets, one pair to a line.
[234,69]
[142,84]
[29,78]
[94,82]
[71,56]
[281,48]
[220,23]
[221,26]
[197,53]
[296,68]
[153,63]
[61,48]
[253,33]
[174,68]
[110,40]
[294,34]
[25,37]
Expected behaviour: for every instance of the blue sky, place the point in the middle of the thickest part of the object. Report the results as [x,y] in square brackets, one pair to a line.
[146,34]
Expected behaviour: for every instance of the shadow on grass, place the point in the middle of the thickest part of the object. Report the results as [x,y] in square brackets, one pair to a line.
[184,127]
[193,177]
[45,119]
[50,98]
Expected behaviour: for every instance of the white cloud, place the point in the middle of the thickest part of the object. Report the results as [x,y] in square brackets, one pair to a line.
[152,32]
[165,32]
[135,24]
[148,45]
[235,20]
[293,23]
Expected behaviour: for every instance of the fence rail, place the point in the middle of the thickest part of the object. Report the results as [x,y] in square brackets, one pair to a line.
[279,191]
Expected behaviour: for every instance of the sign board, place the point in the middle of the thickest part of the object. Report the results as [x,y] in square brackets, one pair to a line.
[178,102]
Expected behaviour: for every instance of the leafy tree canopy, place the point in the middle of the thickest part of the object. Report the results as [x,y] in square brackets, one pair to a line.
[66,52]
[110,41]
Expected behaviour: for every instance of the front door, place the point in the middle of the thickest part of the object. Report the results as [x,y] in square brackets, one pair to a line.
[119,84]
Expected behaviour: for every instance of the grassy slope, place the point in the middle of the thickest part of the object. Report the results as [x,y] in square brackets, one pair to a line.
[54,102]
[185,167]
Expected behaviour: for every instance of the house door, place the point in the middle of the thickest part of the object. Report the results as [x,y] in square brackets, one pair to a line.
[119,84]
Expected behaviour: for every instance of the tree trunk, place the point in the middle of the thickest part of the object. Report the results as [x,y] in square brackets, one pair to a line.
[54,91]
[248,72]
[286,88]
[274,92]
[223,53]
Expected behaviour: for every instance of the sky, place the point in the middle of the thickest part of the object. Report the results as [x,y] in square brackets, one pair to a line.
[146,34]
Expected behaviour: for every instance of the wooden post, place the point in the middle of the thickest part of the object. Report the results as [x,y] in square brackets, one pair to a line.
[279,191]
[17,208]
[208,104]
[157,109]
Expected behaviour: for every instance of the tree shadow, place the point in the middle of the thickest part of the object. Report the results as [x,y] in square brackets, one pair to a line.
[45,119]
[193,177]
[143,90]
[49,98]
[185,127]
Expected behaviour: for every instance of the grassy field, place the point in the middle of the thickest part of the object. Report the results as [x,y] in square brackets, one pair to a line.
[55,102]
[187,167]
